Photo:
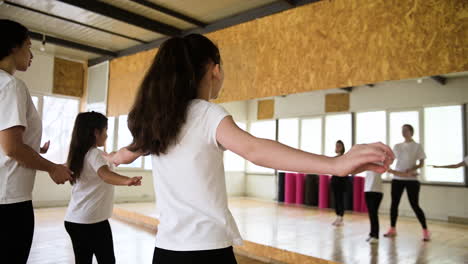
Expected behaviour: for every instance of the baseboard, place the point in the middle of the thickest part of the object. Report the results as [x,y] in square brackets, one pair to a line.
[458,220]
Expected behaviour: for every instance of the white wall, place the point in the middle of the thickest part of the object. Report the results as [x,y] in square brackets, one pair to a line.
[439,202]
[40,76]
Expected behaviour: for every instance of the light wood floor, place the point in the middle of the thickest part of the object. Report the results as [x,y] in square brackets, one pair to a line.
[309,231]
[132,244]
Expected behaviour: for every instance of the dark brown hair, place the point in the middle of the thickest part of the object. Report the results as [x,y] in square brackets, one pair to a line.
[342,145]
[410,127]
[13,36]
[160,108]
[83,139]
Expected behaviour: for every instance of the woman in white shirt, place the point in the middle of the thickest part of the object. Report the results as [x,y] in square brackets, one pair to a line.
[92,196]
[173,120]
[20,138]
[405,176]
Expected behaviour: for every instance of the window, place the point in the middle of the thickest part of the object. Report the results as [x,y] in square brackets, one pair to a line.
[371,127]
[58,118]
[35,100]
[288,132]
[110,134]
[124,138]
[337,127]
[232,161]
[262,129]
[397,120]
[443,132]
[311,135]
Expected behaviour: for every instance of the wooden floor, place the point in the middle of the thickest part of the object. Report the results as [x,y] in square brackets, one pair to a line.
[132,244]
[308,231]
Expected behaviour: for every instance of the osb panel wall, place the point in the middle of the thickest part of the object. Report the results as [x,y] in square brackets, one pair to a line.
[266,109]
[337,102]
[125,76]
[68,78]
[325,45]
[340,43]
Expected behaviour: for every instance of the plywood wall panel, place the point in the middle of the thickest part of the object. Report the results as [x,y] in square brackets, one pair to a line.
[68,77]
[125,76]
[266,109]
[325,45]
[337,102]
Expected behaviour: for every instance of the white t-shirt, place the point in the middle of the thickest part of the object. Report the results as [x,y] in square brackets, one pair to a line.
[17,109]
[373,182]
[92,199]
[190,186]
[407,154]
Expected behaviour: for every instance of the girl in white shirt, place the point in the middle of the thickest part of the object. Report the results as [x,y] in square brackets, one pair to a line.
[173,120]
[373,194]
[92,197]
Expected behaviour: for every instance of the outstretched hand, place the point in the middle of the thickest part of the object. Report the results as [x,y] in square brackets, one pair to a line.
[134,181]
[45,148]
[375,157]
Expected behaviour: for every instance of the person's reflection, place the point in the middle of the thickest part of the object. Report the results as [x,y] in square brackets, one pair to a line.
[374,253]
[422,254]
[392,252]
[337,251]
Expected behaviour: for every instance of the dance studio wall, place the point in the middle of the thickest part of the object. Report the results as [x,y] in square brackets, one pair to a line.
[324,45]
[387,95]
[40,76]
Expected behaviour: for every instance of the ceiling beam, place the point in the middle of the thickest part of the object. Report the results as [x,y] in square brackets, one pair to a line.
[170,12]
[71,44]
[291,2]
[441,80]
[348,89]
[124,16]
[72,21]
[249,15]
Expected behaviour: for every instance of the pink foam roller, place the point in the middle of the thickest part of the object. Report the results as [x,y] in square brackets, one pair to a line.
[363,196]
[290,188]
[358,188]
[324,182]
[300,181]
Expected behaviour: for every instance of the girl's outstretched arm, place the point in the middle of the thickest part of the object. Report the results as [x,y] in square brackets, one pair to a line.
[453,166]
[267,153]
[123,156]
[113,178]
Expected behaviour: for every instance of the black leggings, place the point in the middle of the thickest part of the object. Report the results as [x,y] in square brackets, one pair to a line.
[91,239]
[339,189]
[373,200]
[223,255]
[412,190]
[16,232]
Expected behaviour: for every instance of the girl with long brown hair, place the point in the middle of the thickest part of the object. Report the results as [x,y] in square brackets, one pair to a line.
[173,120]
